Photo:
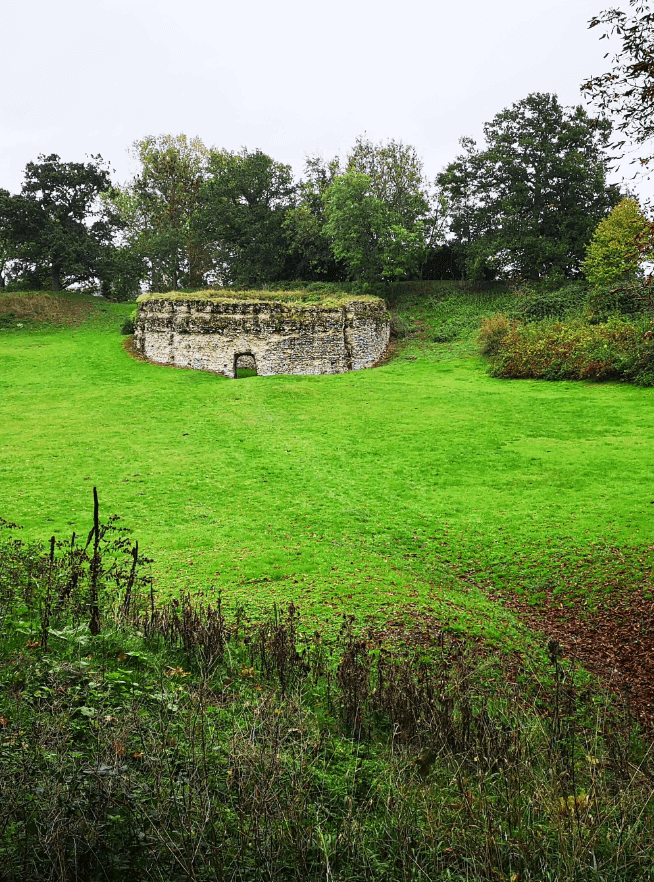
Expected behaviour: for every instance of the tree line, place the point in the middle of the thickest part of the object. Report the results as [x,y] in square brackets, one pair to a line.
[525,203]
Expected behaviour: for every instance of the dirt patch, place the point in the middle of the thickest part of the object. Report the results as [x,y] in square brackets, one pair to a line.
[42,309]
[131,350]
[615,643]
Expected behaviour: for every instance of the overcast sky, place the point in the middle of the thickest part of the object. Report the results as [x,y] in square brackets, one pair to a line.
[289,77]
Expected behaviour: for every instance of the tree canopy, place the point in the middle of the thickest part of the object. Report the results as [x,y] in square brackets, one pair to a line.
[57,225]
[305,224]
[625,92]
[613,254]
[243,207]
[527,202]
[157,209]
[524,203]
[380,216]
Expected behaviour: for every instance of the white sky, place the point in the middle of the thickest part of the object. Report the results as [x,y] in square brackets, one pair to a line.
[289,77]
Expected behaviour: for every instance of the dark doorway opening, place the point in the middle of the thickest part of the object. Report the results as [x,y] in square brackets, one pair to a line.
[244,365]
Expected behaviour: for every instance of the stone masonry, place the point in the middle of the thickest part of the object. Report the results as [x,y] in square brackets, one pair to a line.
[272,336]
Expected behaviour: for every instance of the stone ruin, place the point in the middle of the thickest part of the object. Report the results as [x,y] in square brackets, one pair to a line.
[214,333]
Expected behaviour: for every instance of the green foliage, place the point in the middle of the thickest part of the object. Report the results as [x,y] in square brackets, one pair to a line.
[527,203]
[537,301]
[124,269]
[241,221]
[129,323]
[611,255]
[305,224]
[58,227]
[366,234]
[327,295]
[380,218]
[574,350]
[188,740]
[604,301]
[493,332]
[157,210]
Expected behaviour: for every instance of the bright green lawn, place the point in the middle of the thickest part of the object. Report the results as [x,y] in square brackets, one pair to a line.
[352,493]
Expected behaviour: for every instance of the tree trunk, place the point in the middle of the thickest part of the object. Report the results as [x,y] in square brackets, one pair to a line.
[55,275]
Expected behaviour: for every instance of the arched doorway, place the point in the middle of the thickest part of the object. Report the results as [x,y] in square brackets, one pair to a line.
[244,366]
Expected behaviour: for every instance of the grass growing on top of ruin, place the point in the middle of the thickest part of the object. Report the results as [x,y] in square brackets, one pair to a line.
[419,483]
[303,299]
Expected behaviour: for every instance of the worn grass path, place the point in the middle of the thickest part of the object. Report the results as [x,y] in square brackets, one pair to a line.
[353,493]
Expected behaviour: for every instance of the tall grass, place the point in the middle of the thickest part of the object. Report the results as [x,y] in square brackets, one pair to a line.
[38,308]
[188,741]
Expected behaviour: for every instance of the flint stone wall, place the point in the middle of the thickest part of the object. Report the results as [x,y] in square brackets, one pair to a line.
[282,338]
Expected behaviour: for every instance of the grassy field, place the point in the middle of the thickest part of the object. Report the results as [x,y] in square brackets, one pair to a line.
[411,484]
[349,737]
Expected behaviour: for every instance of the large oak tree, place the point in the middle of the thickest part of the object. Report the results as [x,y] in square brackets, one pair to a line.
[528,201]
[57,227]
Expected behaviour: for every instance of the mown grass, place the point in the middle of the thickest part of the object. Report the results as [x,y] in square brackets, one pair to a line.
[418,484]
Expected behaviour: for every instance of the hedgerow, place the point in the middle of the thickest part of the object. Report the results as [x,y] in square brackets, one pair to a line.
[619,349]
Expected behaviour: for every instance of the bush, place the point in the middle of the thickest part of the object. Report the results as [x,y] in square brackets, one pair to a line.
[492,333]
[605,301]
[400,327]
[129,324]
[618,349]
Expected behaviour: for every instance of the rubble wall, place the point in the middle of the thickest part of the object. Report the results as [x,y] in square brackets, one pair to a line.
[281,337]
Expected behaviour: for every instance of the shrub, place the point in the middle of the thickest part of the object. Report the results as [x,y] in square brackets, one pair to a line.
[188,743]
[492,333]
[618,349]
[400,327]
[129,324]
[605,301]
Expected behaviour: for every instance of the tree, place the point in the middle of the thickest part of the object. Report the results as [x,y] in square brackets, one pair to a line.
[612,254]
[380,217]
[5,236]
[626,91]
[244,203]
[458,189]
[366,234]
[58,223]
[528,202]
[305,225]
[157,209]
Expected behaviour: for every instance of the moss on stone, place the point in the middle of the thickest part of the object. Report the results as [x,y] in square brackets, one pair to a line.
[301,300]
